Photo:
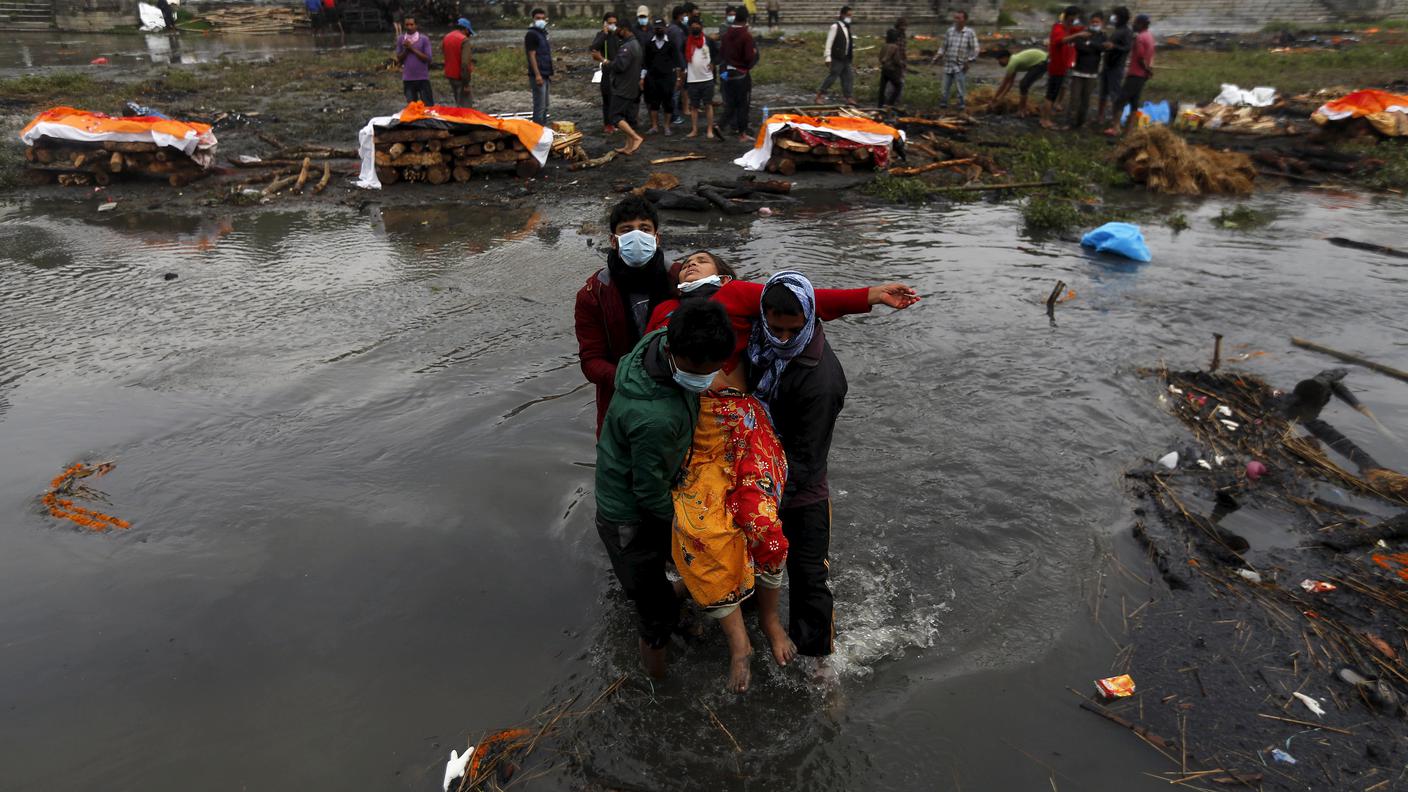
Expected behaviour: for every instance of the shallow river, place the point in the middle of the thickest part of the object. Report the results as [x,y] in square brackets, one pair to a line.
[356,453]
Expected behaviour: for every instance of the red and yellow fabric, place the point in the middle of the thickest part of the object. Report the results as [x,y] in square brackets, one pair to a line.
[862,131]
[726,508]
[1387,112]
[68,123]
[535,138]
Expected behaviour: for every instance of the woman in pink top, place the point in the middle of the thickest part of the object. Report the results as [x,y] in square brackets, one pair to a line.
[1141,68]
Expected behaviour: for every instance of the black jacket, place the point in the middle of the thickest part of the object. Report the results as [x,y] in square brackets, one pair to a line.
[804,411]
[844,45]
[660,62]
[1089,53]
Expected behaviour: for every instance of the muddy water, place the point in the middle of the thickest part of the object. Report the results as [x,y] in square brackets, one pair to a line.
[356,451]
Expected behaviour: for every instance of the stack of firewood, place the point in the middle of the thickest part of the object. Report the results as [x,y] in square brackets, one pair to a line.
[438,156]
[568,146]
[255,20]
[80,163]
[789,152]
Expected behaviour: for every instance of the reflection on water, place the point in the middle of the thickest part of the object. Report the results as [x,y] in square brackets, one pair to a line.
[356,451]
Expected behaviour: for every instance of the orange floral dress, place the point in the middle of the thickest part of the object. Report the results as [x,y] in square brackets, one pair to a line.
[726,521]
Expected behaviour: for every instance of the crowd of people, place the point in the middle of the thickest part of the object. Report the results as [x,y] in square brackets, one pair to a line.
[679,68]
[716,402]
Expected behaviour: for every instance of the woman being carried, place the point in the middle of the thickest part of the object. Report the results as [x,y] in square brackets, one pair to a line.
[727,535]
[705,275]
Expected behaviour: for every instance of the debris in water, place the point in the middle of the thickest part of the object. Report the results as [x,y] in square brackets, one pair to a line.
[65,487]
[171,276]
[1310,703]
[1169,460]
[1255,470]
[1121,686]
[107,207]
[1317,586]
[1249,575]
[455,767]
[1282,757]
[1124,239]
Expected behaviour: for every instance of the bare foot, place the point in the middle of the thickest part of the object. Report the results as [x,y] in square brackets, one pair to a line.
[783,650]
[739,674]
[1047,124]
[709,135]
[693,133]
[633,146]
[653,659]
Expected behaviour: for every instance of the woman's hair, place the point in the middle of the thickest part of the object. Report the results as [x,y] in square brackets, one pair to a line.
[722,266]
[700,332]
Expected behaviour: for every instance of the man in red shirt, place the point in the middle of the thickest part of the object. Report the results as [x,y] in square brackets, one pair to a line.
[1141,68]
[1061,56]
[458,64]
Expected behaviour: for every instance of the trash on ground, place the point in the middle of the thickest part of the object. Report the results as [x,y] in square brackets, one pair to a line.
[455,768]
[107,207]
[1164,162]
[1249,575]
[1234,96]
[1255,469]
[1169,460]
[1282,757]
[1121,686]
[79,147]
[1124,239]
[1317,586]
[437,144]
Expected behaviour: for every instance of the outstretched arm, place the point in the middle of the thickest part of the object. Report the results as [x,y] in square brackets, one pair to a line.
[1004,86]
[742,298]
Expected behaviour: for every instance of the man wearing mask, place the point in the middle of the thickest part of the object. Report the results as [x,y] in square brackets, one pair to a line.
[643,444]
[1061,56]
[729,16]
[627,70]
[1118,41]
[701,54]
[538,51]
[678,31]
[663,69]
[613,308]
[739,54]
[840,51]
[1084,76]
[603,49]
[413,53]
[642,25]
[959,51]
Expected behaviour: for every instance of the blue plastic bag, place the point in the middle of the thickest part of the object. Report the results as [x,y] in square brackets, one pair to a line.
[1156,113]
[1123,238]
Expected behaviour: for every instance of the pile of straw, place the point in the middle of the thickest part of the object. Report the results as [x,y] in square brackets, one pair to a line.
[980,100]
[1159,159]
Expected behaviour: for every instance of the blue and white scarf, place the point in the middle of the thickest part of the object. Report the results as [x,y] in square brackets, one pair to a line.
[765,352]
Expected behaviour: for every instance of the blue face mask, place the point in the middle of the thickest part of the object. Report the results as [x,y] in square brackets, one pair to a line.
[637,247]
[730,18]
[540,23]
[643,21]
[694,383]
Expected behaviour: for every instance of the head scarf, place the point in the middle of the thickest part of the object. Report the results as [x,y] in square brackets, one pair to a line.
[765,352]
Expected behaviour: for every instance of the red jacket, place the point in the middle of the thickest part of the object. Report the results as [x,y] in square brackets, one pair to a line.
[742,301]
[1061,57]
[603,336]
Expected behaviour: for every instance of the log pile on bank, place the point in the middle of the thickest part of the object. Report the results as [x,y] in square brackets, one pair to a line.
[794,148]
[436,156]
[80,147]
[443,145]
[842,143]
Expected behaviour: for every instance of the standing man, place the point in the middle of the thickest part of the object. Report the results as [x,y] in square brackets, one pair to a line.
[1031,64]
[458,63]
[1060,57]
[627,81]
[701,54]
[613,308]
[413,53]
[729,16]
[644,441]
[1141,68]
[1084,76]
[538,51]
[1118,41]
[663,68]
[603,49]
[959,52]
[740,55]
[797,375]
[892,69]
[642,26]
[840,50]
[677,32]
[774,13]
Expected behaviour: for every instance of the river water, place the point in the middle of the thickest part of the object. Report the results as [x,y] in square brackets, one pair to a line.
[356,452]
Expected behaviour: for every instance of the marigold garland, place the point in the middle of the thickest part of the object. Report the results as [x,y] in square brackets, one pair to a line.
[66,483]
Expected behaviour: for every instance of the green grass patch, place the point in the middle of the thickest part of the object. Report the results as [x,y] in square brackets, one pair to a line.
[1197,75]
[1177,222]
[11,164]
[899,189]
[1050,214]
[1394,173]
[44,85]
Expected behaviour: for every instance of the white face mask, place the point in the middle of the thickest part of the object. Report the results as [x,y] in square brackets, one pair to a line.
[712,280]
[611,27]
[1095,28]
[540,23]
[848,20]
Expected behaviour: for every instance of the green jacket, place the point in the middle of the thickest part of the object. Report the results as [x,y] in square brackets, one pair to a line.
[645,437]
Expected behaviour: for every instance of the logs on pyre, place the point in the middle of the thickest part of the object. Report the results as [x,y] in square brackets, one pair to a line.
[793,149]
[438,156]
[100,163]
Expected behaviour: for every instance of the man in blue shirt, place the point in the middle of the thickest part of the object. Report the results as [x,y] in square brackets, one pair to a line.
[539,54]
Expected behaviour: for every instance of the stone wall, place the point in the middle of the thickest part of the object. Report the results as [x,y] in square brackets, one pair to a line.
[94,15]
[1171,15]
